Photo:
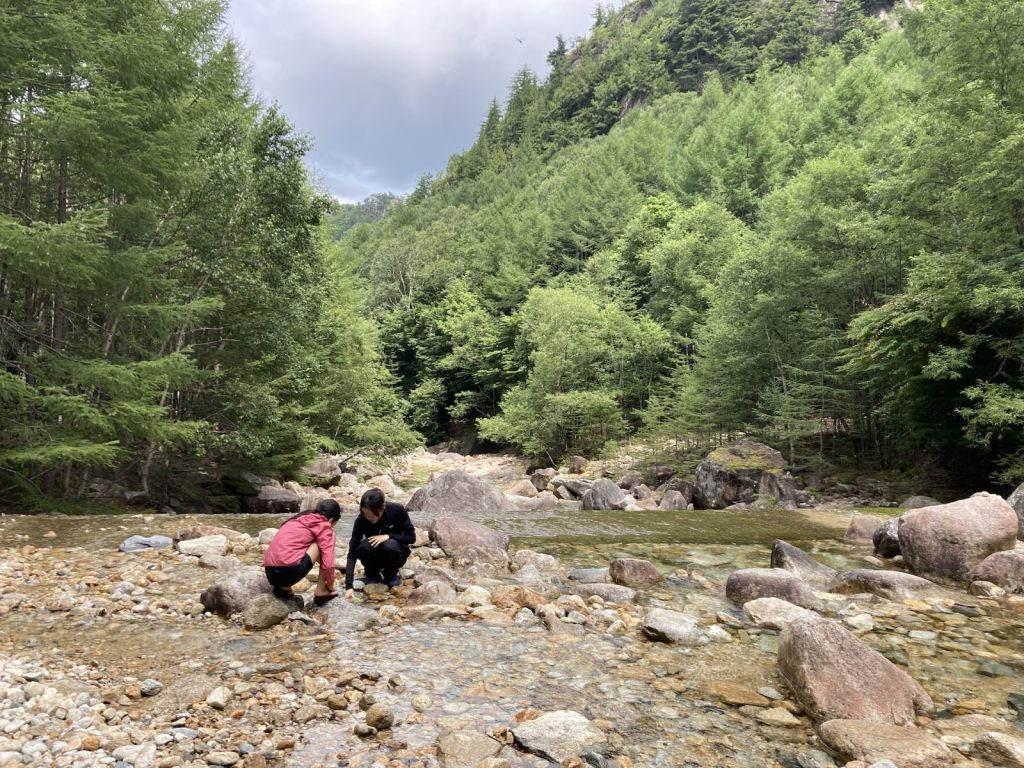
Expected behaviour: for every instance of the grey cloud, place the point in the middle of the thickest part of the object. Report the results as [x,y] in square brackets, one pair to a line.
[389,89]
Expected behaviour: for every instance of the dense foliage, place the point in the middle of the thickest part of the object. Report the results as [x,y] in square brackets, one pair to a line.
[786,218]
[166,308]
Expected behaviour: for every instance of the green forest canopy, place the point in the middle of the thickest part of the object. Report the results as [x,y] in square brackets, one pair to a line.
[784,218]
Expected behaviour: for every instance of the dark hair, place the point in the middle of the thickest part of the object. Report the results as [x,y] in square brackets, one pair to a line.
[330,509]
[372,499]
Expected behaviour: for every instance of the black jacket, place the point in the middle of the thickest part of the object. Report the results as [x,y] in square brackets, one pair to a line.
[394,522]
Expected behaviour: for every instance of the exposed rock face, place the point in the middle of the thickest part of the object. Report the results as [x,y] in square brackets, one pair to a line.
[947,541]
[274,500]
[1016,500]
[455,534]
[862,528]
[751,583]
[876,742]
[892,585]
[606,495]
[800,564]
[235,591]
[673,627]
[835,676]
[1004,569]
[457,492]
[886,538]
[558,736]
[633,573]
[772,613]
[739,473]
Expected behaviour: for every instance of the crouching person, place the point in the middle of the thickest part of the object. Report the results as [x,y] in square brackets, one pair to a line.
[382,537]
[302,541]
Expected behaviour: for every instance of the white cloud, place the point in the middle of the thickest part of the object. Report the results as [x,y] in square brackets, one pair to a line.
[389,89]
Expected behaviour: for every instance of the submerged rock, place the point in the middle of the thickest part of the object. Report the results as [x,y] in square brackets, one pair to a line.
[862,528]
[142,543]
[630,572]
[799,563]
[751,583]
[673,627]
[773,613]
[871,742]
[265,611]
[559,735]
[892,585]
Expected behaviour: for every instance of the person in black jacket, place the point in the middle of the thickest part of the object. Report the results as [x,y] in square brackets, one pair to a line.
[382,537]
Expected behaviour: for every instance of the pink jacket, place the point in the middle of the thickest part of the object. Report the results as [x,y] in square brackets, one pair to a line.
[293,539]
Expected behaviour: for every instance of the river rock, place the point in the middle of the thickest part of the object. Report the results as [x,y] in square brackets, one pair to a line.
[266,611]
[525,558]
[541,478]
[514,597]
[588,575]
[1000,749]
[456,533]
[457,492]
[380,716]
[200,530]
[836,676]
[433,593]
[862,528]
[142,543]
[773,613]
[524,487]
[613,593]
[892,585]
[235,591]
[559,735]
[384,483]
[466,749]
[752,583]
[800,564]
[605,494]
[917,502]
[324,471]
[673,627]
[272,500]
[577,464]
[873,741]
[738,473]
[204,545]
[436,573]
[673,501]
[1016,500]
[947,541]
[630,480]
[629,572]
[887,539]
[1004,569]
[576,486]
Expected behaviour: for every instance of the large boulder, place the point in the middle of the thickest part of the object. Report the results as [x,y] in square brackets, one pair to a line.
[1004,569]
[274,500]
[892,585]
[541,478]
[559,736]
[673,501]
[862,528]
[469,540]
[458,492]
[605,494]
[235,591]
[800,564]
[629,572]
[836,676]
[384,483]
[886,538]
[266,610]
[1016,500]
[673,627]
[740,473]
[947,541]
[878,743]
[751,583]
[324,471]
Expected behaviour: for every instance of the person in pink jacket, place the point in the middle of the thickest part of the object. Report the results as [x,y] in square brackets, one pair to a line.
[300,542]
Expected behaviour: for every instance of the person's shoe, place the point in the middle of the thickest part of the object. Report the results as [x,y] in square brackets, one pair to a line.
[393,580]
[319,600]
[372,577]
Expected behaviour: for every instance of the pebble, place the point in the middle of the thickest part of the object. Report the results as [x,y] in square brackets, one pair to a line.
[222,758]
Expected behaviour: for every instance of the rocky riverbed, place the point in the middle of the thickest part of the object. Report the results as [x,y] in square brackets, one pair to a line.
[108,658]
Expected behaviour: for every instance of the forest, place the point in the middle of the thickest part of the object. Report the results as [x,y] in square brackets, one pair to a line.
[794,220]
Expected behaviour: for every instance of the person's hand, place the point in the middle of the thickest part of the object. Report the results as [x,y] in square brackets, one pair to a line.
[376,541]
[349,593]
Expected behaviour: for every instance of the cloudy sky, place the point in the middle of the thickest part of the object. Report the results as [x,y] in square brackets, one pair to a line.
[389,89]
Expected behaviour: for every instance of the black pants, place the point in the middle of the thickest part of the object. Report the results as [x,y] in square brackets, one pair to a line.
[386,559]
[287,575]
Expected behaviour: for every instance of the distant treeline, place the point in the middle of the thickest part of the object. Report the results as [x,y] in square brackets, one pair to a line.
[792,219]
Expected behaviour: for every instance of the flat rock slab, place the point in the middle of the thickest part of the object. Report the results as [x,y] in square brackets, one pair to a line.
[466,749]
[834,675]
[773,613]
[559,735]
[737,695]
[673,627]
[873,742]
[892,585]
[204,545]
